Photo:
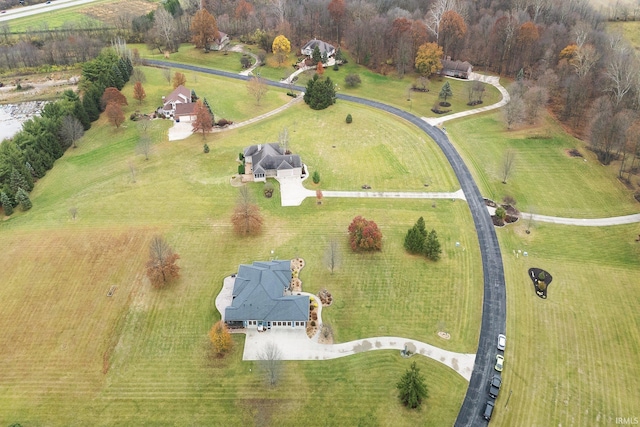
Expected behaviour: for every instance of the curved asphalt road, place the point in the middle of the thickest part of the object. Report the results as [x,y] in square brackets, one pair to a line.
[494,310]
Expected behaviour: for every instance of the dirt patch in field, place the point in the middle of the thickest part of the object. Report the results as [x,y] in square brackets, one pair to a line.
[115,13]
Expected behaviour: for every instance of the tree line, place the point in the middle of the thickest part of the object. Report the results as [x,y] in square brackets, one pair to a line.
[32,152]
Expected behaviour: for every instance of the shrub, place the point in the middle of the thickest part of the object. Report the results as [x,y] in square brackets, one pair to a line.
[316,177]
[335,67]
[241,156]
[349,118]
[268,190]
[501,213]
[352,80]
[224,122]
[241,169]
[206,148]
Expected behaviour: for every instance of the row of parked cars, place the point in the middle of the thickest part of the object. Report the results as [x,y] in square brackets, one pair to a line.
[496,381]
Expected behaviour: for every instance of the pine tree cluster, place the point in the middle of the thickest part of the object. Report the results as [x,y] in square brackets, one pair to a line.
[420,242]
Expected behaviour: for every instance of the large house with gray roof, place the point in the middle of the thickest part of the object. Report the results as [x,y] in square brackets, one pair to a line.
[264,161]
[324,47]
[261,298]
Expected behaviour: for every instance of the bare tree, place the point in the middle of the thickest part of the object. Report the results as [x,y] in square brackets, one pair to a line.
[283,140]
[166,73]
[257,88]
[508,163]
[165,29]
[514,111]
[332,256]
[621,72]
[132,171]
[438,8]
[269,360]
[73,212]
[71,130]
[534,99]
[138,75]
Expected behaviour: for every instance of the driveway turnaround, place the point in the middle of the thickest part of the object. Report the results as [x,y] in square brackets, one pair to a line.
[494,311]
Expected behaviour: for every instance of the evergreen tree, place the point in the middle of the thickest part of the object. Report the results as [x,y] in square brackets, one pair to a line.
[6,204]
[116,78]
[124,70]
[17,182]
[432,248]
[316,55]
[415,238]
[23,198]
[412,389]
[446,92]
[91,102]
[194,97]
[32,171]
[320,94]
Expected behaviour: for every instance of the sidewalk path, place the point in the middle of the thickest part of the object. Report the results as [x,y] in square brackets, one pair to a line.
[248,71]
[493,81]
[585,222]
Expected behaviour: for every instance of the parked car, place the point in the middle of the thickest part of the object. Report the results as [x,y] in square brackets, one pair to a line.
[494,386]
[502,342]
[488,410]
[499,362]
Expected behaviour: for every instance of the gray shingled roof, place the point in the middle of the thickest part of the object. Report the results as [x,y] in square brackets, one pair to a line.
[324,47]
[447,64]
[258,294]
[271,157]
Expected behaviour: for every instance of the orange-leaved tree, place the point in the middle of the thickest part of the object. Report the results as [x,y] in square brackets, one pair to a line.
[364,235]
[161,267]
[179,79]
[138,92]
[112,94]
[204,29]
[220,338]
[204,120]
[319,68]
[114,114]
[246,218]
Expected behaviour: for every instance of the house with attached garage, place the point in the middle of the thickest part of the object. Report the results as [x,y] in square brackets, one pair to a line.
[324,47]
[264,161]
[459,69]
[178,105]
[261,298]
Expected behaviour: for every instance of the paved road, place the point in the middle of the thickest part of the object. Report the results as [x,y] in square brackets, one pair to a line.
[20,12]
[494,310]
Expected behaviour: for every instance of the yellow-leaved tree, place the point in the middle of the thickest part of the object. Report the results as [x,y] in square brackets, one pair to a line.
[220,338]
[428,59]
[281,48]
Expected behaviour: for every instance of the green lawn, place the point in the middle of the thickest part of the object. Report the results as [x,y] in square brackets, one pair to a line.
[188,54]
[78,357]
[228,99]
[571,359]
[545,178]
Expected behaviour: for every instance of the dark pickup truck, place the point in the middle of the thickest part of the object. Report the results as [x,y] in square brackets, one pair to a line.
[494,386]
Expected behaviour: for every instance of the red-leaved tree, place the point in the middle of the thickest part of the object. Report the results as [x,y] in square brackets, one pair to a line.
[364,235]
[114,114]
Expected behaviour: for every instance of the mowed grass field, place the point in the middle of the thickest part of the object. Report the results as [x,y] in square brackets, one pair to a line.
[73,356]
[571,359]
[545,179]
